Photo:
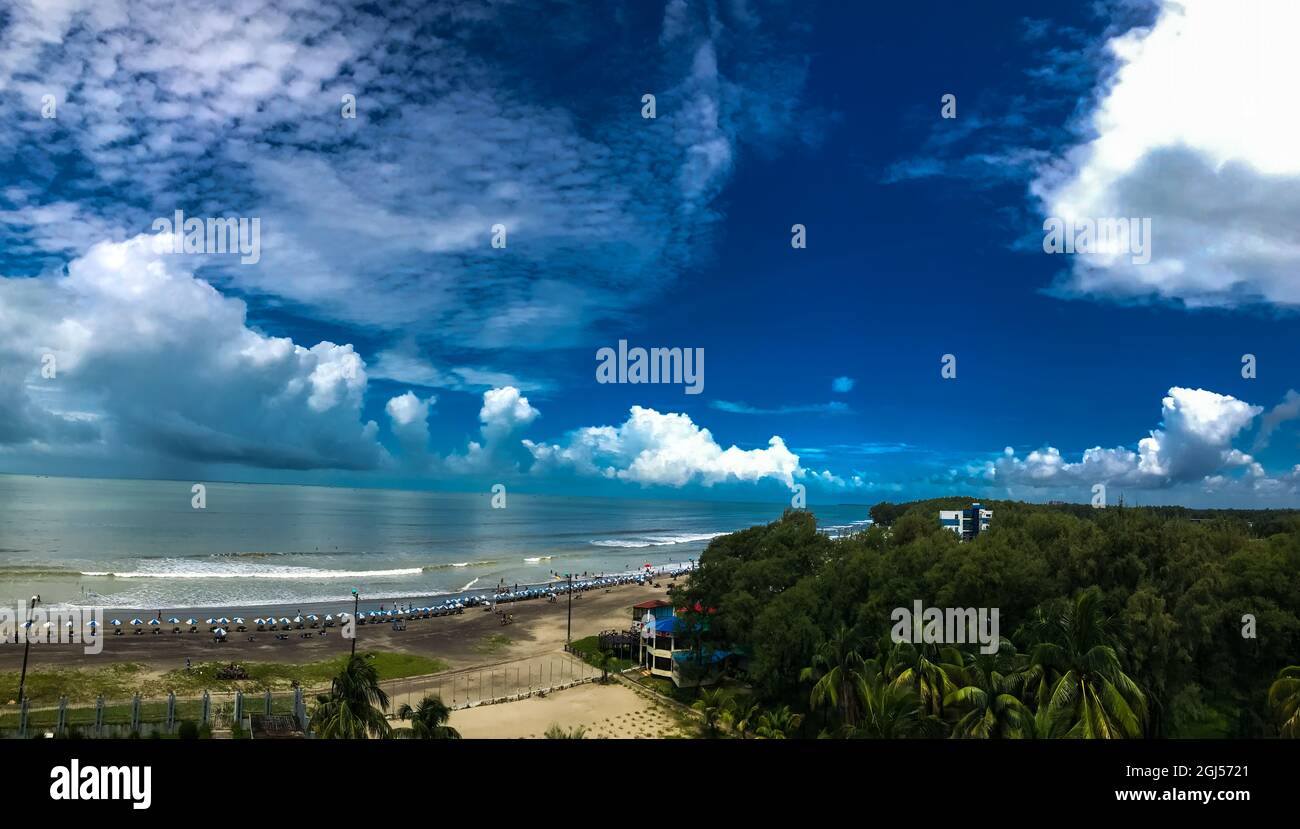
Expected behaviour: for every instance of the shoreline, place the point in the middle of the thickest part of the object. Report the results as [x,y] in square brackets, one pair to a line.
[344,602]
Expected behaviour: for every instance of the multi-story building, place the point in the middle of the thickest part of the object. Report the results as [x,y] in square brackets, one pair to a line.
[967,523]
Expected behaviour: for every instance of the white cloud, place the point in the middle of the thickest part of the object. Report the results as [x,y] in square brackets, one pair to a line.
[842,385]
[409,418]
[167,364]
[1196,130]
[1193,443]
[651,448]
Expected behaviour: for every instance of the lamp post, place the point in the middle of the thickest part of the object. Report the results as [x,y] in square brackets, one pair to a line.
[568,632]
[27,639]
[356,601]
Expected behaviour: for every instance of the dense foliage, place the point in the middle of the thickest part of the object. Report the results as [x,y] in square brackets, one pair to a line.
[1119,622]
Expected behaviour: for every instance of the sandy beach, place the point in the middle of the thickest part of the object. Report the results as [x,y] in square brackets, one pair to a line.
[471,639]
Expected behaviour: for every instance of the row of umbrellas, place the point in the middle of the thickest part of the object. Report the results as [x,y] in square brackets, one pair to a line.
[220,624]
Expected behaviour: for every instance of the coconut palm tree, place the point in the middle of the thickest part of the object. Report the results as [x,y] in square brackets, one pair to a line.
[559,732]
[354,708]
[741,719]
[429,720]
[712,704]
[836,672]
[603,660]
[928,670]
[1284,699]
[888,711]
[986,703]
[778,724]
[1092,698]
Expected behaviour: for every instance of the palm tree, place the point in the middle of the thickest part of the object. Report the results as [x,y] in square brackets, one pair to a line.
[354,708]
[1284,699]
[987,702]
[429,720]
[888,711]
[1092,698]
[559,732]
[741,719]
[927,669]
[603,660]
[778,724]
[836,671]
[713,704]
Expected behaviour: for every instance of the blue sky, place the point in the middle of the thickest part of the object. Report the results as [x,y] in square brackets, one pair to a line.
[381,340]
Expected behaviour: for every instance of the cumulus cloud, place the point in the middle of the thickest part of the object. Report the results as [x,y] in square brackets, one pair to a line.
[651,448]
[1192,444]
[163,362]
[842,385]
[409,420]
[1288,409]
[504,412]
[1193,130]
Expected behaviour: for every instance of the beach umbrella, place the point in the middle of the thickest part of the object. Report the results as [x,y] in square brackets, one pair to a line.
[69,624]
[191,621]
[173,621]
[284,620]
[137,621]
[113,622]
[154,622]
[93,624]
[312,617]
[297,619]
[223,621]
[219,632]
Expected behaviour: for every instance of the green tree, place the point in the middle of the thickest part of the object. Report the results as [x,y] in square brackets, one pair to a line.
[429,719]
[836,673]
[778,724]
[712,705]
[354,708]
[741,718]
[888,711]
[986,703]
[1092,698]
[1284,699]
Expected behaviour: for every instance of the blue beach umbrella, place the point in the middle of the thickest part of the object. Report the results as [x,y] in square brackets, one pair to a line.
[137,621]
[173,621]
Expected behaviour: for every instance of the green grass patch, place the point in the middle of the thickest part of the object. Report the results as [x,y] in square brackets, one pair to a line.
[587,649]
[123,679]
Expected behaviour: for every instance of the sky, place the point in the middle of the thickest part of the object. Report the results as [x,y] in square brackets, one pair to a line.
[458,206]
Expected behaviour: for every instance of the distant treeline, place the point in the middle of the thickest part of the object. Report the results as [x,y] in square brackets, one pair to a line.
[1091,601]
[1261,522]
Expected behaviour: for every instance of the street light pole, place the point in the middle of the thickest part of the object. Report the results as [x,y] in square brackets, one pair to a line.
[27,638]
[568,633]
[356,601]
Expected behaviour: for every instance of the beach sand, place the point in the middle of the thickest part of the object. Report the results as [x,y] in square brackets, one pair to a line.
[611,711]
[474,638]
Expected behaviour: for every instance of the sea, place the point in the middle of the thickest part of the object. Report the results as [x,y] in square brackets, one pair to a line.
[142,544]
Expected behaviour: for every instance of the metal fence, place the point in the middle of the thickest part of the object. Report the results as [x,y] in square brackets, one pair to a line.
[221,710]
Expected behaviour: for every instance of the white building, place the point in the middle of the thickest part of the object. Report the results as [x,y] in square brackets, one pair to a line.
[967,523]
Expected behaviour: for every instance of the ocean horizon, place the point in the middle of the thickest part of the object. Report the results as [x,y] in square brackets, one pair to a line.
[139,544]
